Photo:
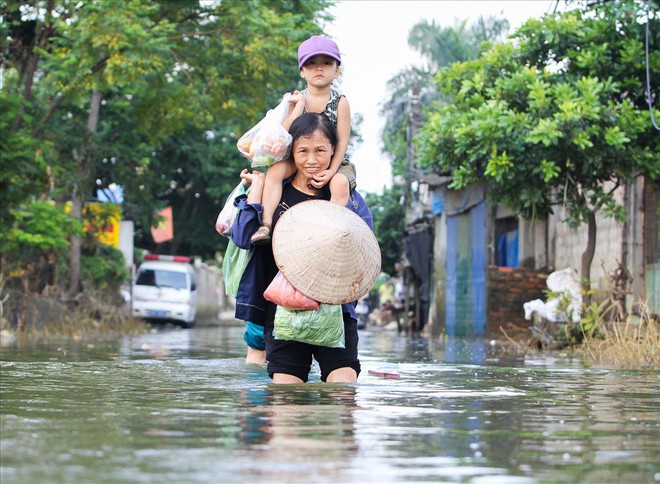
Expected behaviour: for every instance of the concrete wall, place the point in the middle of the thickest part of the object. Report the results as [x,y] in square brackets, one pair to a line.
[632,253]
[651,235]
[437,302]
[615,242]
[569,244]
[533,244]
[210,290]
[652,284]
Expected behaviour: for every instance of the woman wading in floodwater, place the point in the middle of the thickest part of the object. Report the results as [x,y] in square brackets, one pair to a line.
[314,140]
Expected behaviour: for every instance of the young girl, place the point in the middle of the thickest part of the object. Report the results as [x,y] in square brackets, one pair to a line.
[319,60]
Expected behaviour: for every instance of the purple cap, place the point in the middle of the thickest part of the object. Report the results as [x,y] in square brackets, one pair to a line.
[317,45]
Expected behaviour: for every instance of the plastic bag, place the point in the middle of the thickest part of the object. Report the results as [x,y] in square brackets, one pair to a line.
[268,142]
[233,266]
[320,327]
[281,292]
[226,216]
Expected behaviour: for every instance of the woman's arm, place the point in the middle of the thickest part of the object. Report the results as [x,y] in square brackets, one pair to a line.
[358,205]
[248,218]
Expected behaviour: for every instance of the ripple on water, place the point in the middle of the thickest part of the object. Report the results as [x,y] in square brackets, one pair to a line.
[184,407]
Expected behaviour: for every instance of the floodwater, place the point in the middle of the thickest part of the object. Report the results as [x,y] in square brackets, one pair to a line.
[180,405]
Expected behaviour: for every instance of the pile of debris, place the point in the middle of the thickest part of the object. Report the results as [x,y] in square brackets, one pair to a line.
[559,315]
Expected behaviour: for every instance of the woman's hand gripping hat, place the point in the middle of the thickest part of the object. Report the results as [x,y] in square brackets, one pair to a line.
[326,251]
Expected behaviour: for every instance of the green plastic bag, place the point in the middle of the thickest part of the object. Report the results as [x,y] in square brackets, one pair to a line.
[321,327]
[233,266]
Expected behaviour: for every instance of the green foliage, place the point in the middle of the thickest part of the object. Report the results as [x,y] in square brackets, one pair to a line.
[179,82]
[22,165]
[206,170]
[104,267]
[591,320]
[37,239]
[562,110]
[40,226]
[440,47]
[389,220]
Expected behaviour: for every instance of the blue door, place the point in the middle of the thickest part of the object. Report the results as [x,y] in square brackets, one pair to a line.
[465,305]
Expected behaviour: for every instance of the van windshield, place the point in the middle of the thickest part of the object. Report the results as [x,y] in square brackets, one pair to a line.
[160,278]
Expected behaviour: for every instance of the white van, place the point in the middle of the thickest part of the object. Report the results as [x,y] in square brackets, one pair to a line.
[165,290]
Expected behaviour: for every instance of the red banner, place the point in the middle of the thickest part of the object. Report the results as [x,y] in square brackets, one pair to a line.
[164,231]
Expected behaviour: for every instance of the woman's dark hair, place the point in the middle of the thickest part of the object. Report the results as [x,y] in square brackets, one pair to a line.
[306,124]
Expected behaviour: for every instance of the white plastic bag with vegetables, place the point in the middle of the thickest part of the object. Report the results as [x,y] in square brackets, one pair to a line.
[268,142]
[226,216]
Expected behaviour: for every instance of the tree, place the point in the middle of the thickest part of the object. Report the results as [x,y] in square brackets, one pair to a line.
[98,92]
[32,247]
[559,118]
[388,213]
[439,47]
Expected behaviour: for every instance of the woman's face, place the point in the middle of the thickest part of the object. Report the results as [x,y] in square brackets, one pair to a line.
[312,154]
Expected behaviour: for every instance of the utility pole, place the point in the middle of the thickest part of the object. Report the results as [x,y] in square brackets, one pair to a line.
[411,281]
[414,121]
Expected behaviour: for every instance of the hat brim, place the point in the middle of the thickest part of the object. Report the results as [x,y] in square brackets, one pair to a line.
[302,61]
[326,251]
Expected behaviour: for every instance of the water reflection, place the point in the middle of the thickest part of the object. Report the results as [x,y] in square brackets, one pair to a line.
[465,351]
[182,406]
[300,429]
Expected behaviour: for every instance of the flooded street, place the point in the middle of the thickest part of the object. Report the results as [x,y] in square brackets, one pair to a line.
[182,406]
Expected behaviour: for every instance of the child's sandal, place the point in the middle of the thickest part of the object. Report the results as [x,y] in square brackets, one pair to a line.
[261,236]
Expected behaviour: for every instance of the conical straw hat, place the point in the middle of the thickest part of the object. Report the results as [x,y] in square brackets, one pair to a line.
[326,251]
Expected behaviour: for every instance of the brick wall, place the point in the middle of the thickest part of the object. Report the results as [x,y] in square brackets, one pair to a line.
[508,289]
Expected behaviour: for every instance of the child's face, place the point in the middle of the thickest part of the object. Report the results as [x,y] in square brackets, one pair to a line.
[320,70]
[312,153]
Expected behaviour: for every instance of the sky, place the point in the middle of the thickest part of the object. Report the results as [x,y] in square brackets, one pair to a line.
[372,36]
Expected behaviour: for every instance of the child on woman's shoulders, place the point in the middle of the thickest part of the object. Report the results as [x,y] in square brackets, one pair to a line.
[319,61]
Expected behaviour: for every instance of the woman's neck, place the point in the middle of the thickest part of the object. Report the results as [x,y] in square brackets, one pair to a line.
[304,184]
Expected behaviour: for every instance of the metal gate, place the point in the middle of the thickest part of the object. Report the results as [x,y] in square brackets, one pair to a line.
[465,297]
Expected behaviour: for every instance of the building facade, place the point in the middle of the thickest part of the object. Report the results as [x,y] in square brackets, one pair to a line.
[485,261]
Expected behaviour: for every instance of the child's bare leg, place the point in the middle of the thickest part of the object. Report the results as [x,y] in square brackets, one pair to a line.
[273,189]
[254,338]
[275,175]
[339,189]
[255,357]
